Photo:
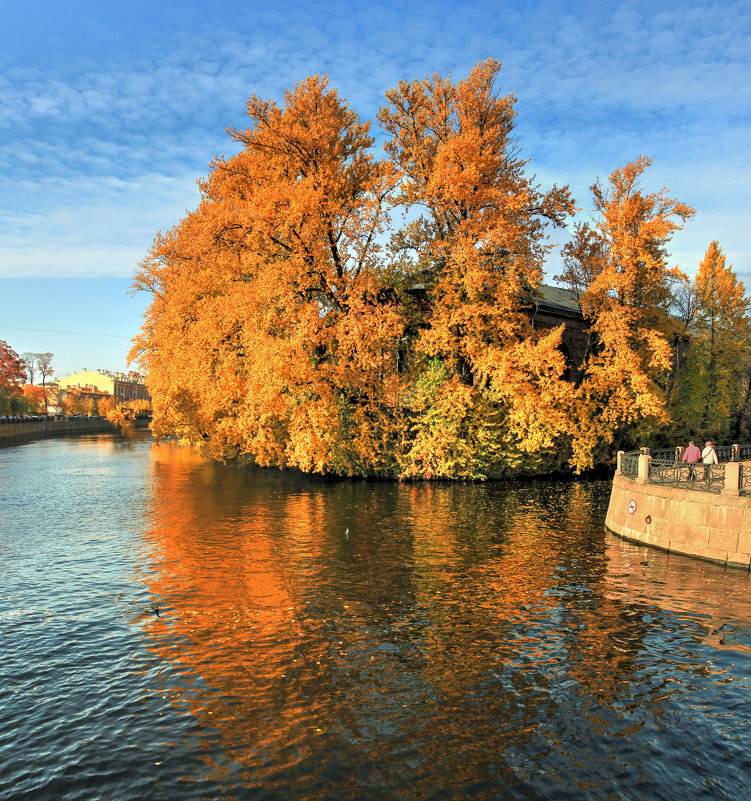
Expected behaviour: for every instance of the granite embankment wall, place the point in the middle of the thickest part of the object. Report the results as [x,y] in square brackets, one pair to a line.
[715,526]
[15,433]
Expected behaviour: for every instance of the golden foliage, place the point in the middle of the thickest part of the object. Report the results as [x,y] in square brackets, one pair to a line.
[269,335]
[123,415]
[282,330]
[620,270]
[35,398]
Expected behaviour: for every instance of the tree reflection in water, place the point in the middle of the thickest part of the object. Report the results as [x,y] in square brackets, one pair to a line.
[462,640]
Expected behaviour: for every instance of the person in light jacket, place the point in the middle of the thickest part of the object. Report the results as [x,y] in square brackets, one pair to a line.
[708,455]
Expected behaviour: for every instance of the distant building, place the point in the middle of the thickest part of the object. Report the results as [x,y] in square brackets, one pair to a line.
[123,386]
[553,305]
[60,400]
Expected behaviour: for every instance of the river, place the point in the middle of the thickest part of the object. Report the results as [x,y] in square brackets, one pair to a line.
[175,629]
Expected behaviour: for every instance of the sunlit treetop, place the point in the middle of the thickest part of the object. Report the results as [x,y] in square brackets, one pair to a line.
[281,330]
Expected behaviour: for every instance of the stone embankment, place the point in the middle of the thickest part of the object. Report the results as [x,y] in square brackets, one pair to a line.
[16,433]
[695,510]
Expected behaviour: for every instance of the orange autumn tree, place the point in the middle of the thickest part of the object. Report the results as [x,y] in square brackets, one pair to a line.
[282,330]
[487,389]
[123,414]
[35,398]
[12,373]
[619,269]
[272,332]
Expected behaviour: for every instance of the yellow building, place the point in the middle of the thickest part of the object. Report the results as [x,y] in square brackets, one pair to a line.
[124,386]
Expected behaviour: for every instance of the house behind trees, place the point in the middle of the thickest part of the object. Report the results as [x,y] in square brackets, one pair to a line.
[122,386]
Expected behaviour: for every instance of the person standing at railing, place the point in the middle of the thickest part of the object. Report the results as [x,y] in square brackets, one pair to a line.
[691,456]
[708,457]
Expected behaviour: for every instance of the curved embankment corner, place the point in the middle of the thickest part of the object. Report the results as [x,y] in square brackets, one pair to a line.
[705,525]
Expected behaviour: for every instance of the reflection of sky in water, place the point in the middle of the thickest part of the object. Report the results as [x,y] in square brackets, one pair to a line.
[461,640]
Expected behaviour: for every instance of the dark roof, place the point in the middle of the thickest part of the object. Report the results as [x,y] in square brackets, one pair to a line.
[557,297]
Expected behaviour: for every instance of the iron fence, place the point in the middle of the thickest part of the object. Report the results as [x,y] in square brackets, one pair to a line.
[724,453]
[667,455]
[630,464]
[666,469]
[744,484]
[702,477]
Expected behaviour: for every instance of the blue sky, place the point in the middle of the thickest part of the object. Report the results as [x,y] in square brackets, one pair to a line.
[110,112]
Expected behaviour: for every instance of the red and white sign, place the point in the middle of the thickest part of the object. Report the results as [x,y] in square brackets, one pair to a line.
[631,506]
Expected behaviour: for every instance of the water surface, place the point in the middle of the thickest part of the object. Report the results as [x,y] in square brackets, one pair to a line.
[351,640]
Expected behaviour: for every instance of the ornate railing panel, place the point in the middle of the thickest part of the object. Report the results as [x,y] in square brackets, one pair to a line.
[667,455]
[666,469]
[745,479]
[702,477]
[630,464]
[724,453]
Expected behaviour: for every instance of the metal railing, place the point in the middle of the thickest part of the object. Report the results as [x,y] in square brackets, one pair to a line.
[744,481]
[702,477]
[665,467]
[724,453]
[666,455]
[630,464]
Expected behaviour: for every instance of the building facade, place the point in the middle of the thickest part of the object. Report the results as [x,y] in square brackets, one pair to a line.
[122,386]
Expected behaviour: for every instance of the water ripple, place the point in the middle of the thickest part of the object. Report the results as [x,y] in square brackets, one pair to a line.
[176,629]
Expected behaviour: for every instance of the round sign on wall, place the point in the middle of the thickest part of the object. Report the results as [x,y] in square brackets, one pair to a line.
[631,506]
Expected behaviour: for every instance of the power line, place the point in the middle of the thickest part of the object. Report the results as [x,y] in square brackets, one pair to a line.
[76,333]
[77,356]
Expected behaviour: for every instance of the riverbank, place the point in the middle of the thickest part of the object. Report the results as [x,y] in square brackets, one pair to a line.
[703,514]
[28,431]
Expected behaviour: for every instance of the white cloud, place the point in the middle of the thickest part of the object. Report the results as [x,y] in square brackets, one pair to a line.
[98,155]
[91,227]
